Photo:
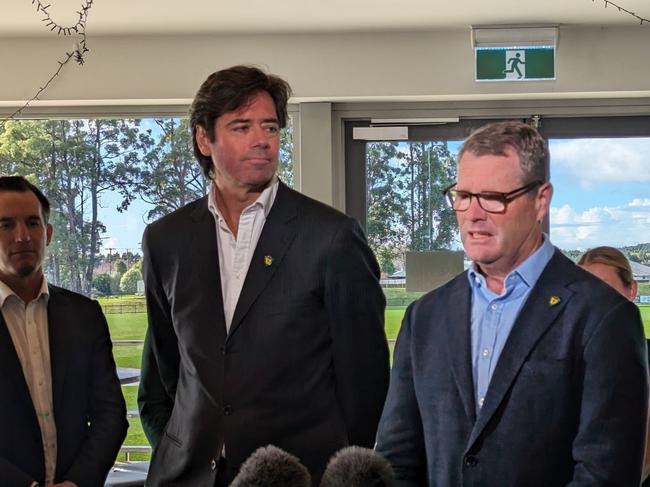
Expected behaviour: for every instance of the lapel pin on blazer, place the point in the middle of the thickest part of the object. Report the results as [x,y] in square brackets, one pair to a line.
[268,260]
[554,300]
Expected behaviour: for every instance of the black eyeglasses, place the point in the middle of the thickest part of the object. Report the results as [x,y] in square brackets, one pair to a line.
[490,201]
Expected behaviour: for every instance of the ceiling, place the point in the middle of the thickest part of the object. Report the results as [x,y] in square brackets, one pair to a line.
[156,17]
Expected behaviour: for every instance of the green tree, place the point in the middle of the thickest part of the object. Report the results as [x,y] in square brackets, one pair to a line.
[74,162]
[385,204]
[429,167]
[116,279]
[129,281]
[119,266]
[102,283]
[170,177]
[406,208]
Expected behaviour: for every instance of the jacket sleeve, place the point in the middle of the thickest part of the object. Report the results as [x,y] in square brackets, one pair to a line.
[400,437]
[160,358]
[609,445]
[107,413]
[355,304]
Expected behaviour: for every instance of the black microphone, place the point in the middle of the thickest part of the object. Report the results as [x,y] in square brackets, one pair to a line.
[270,466]
[357,467]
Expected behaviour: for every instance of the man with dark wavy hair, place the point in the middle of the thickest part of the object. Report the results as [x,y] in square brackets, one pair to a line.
[265,311]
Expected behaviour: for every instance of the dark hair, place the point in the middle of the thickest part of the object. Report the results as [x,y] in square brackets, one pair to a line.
[228,90]
[613,258]
[20,185]
[495,138]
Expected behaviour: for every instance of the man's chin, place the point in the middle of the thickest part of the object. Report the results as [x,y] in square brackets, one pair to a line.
[25,270]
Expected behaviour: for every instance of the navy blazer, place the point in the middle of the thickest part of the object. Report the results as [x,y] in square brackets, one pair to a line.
[89,409]
[566,405]
[304,365]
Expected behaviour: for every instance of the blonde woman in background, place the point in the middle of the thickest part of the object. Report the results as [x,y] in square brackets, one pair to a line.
[610,265]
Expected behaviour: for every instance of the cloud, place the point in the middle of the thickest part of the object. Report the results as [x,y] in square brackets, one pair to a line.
[603,160]
[618,226]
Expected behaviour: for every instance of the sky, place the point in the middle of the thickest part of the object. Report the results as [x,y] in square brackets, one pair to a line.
[123,230]
[601,192]
[601,197]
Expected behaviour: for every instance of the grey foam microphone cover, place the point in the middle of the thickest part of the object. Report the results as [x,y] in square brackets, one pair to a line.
[271,466]
[357,467]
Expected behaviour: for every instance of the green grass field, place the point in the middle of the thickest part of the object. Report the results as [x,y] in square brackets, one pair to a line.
[132,326]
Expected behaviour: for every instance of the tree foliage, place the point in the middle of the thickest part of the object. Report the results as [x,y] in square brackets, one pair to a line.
[406,209]
[129,281]
[79,163]
[102,283]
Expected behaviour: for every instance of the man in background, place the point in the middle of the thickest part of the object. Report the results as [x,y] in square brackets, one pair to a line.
[265,310]
[62,413]
[525,370]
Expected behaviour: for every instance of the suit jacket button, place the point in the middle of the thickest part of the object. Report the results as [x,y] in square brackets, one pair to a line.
[222,349]
[227,410]
[470,461]
[213,464]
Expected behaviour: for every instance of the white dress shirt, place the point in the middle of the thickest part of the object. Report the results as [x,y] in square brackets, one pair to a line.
[235,254]
[28,328]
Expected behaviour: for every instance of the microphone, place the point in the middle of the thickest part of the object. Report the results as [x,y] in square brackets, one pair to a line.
[271,466]
[357,467]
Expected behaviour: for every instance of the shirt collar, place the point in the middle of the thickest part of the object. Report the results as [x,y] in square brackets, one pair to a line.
[6,291]
[264,200]
[529,270]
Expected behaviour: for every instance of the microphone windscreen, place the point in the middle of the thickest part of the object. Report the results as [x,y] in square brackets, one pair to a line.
[357,467]
[271,466]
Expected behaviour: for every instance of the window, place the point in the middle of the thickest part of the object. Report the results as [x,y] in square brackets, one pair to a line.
[599,168]
[106,179]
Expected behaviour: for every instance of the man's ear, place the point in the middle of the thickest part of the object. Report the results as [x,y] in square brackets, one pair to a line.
[202,141]
[543,200]
[48,234]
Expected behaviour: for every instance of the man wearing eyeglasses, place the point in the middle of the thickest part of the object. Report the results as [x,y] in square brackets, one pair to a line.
[524,370]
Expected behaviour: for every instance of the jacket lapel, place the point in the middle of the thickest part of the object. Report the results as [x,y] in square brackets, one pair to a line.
[545,303]
[57,322]
[278,233]
[205,256]
[459,341]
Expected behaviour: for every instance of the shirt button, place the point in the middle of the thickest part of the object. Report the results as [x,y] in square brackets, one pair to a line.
[213,464]
[480,402]
[471,460]
[485,352]
[494,307]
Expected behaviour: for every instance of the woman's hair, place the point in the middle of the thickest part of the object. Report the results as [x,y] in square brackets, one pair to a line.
[611,257]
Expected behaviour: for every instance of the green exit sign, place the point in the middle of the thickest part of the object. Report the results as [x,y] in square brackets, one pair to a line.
[515,64]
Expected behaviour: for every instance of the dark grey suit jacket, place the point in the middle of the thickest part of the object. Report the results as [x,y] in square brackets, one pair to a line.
[305,365]
[89,409]
[566,405]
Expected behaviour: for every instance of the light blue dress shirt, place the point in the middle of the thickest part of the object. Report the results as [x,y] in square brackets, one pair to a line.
[493,315]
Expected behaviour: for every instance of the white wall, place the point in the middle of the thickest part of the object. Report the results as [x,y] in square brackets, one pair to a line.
[164,72]
[325,67]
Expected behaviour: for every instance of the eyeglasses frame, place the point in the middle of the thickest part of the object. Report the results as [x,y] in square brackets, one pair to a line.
[506,197]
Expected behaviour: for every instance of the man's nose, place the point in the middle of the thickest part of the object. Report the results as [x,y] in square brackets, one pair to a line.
[22,232]
[261,137]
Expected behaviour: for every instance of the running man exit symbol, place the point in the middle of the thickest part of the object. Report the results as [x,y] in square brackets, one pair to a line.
[515,64]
